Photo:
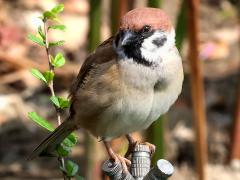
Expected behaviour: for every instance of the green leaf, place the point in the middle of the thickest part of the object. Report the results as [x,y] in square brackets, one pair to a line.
[58,61]
[40,32]
[63,151]
[36,39]
[58,43]
[48,75]
[55,101]
[64,103]
[60,102]
[57,9]
[71,140]
[67,143]
[57,20]
[71,168]
[38,75]
[40,121]
[49,15]
[59,27]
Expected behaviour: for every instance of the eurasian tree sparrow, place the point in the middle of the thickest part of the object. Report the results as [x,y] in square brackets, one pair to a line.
[127,83]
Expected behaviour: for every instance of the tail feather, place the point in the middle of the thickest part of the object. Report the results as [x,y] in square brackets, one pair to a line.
[49,144]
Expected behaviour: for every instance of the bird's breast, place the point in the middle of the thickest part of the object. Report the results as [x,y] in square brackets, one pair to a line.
[127,114]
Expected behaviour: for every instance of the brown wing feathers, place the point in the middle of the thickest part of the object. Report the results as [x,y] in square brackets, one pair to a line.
[103,53]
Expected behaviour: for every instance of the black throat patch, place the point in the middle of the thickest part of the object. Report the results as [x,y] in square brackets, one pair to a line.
[132,50]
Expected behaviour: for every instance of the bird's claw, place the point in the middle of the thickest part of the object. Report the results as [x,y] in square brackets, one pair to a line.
[124,162]
[152,147]
[132,146]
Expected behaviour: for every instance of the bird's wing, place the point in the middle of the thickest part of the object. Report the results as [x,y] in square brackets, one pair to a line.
[97,83]
[102,54]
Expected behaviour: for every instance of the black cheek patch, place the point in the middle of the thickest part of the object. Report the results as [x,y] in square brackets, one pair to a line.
[159,41]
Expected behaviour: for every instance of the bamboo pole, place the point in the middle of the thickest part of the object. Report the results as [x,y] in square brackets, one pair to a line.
[181,26]
[123,8]
[118,9]
[94,24]
[197,88]
[114,16]
[94,41]
[235,148]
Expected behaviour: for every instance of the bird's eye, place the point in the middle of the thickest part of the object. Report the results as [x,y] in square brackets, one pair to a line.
[146,29]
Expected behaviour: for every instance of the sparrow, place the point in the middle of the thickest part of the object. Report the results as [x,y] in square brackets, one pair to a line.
[126,84]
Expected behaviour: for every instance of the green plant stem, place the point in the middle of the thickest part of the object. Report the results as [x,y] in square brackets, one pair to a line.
[51,68]
[94,24]
[114,16]
[181,26]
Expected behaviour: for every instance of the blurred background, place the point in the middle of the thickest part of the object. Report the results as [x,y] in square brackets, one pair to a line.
[200,135]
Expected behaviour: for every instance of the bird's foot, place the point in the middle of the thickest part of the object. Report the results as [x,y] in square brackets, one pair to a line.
[117,158]
[152,147]
[132,146]
[124,162]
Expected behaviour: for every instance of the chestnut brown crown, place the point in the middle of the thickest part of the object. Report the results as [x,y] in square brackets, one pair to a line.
[137,18]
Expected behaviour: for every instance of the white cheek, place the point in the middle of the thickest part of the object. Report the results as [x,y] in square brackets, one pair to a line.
[153,53]
[147,43]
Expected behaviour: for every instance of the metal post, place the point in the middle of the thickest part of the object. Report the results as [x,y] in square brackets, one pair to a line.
[140,167]
[162,171]
[141,162]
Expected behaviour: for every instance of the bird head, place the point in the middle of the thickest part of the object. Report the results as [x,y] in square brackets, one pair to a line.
[144,35]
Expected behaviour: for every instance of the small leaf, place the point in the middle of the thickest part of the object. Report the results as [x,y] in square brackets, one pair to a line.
[40,32]
[64,103]
[59,27]
[71,140]
[58,43]
[71,168]
[57,9]
[49,15]
[60,102]
[58,61]
[55,101]
[36,39]
[57,20]
[40,121]
[48,75]
[67,143]
[63,151]
[38,75]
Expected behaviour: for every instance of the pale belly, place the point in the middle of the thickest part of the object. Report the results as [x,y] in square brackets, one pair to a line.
[126,115]
[137,111]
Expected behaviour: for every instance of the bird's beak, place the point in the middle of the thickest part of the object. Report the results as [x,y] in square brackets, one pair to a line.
[127,37]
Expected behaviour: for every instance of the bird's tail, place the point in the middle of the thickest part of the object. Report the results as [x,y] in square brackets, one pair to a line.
[49,144]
